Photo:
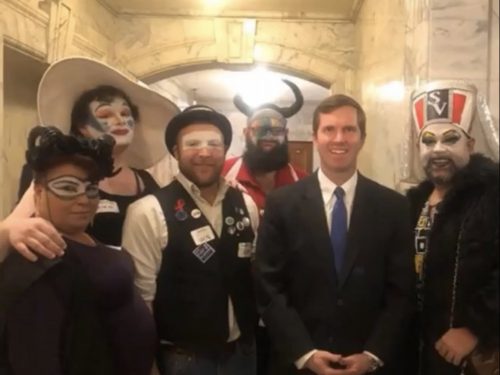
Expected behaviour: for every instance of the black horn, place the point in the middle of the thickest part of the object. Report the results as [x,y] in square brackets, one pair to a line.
[299,101]
[242,106]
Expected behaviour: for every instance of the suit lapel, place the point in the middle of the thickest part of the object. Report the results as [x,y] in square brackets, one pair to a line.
[360,222]
[314,213]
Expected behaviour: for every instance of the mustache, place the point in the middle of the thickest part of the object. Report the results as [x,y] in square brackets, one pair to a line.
[437,159]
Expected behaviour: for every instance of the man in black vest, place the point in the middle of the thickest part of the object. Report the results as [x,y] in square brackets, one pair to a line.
[192,243]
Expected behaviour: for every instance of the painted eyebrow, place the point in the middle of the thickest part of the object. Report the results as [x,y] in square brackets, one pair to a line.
[428,134]
[451,132]
[103,103]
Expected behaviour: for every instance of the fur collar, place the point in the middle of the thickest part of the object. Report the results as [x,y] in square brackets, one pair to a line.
[480,174]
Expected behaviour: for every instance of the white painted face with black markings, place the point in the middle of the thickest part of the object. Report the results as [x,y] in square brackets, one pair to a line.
[444,149]
[112,117]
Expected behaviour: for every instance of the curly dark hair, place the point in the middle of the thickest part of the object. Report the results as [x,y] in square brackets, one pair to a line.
[80,114]
[49,147]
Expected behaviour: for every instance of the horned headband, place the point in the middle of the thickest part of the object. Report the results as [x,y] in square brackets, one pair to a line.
[286,112]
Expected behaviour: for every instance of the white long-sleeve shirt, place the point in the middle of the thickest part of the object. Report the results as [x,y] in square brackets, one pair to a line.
[145,236]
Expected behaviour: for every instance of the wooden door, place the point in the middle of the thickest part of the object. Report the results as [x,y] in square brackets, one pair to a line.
[301,155]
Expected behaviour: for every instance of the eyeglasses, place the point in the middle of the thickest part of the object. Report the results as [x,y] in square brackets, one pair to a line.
[70,187]
[263,125]
[261,131]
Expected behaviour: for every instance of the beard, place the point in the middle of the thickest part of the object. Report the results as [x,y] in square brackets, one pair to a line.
[258,160]
[443,177]
[202,181]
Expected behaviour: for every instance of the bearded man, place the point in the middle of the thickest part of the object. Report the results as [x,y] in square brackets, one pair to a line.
[265,164]
[455,216]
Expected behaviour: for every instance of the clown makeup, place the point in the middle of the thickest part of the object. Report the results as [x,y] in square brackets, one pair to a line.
[70,187]
[197,141]
[444,149]
[113,117]
[267,129]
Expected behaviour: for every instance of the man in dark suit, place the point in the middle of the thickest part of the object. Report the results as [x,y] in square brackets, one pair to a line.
[335,283]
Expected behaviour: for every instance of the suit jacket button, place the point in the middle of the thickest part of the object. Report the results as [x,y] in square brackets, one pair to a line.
[340,302]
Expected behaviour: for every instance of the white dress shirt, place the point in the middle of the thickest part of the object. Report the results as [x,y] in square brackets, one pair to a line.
[327,188]
[145,235]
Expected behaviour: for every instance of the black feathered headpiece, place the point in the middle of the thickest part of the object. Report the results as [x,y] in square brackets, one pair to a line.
[46,143]
[286,112]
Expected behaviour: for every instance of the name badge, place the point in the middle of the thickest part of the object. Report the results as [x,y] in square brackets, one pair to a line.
[204,252]
[202,235]
[245,249]
[106,206]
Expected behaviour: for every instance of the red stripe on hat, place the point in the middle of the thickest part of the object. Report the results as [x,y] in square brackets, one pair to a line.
[458,108]
[419,112]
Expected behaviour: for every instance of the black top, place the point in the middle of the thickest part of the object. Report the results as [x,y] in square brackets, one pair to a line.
[467,222]
[48,325]
[108,221]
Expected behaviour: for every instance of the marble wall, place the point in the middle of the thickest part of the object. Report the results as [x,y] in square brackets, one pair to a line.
[404,44]
[380,42]
[21,77]
[157,47]
[463,45]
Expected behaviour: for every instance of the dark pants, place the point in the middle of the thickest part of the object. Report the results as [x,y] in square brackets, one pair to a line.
[263,351]
[239,359]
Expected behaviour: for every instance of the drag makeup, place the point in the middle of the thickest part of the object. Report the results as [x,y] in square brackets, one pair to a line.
[113,117]
[70,187]
[444,148]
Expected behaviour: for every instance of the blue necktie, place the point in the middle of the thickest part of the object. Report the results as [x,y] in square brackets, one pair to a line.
[338,231]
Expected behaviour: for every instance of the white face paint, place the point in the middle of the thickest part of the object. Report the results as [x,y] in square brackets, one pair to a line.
[111,117]
[199,140]
[444,149]
[267,131]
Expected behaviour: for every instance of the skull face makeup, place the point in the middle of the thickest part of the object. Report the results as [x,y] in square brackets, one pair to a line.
[112,117]
[266,141]
[444,149]
[266,132]
[267,129]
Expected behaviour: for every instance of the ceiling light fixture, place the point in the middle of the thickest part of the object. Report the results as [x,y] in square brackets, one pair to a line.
[259,86]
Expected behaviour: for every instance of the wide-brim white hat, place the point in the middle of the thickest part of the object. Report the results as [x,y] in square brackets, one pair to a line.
[66,79]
